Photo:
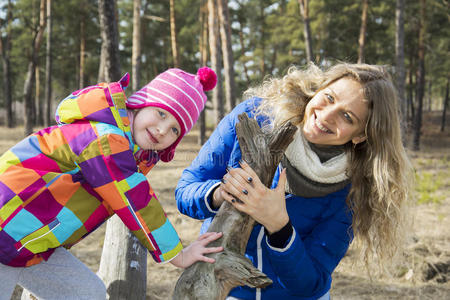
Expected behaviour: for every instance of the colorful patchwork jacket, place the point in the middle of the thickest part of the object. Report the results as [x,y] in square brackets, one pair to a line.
[61,183]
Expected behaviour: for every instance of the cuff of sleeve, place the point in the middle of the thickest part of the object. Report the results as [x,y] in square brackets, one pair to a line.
[208,198]
[282,239]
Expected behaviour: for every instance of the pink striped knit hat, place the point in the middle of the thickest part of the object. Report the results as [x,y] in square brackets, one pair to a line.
[180,93]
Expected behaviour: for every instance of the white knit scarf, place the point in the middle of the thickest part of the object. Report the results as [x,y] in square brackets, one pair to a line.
[307,162]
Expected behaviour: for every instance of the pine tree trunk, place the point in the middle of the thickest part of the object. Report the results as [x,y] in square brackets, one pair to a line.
[136,51]
[304,11]
[400,61]
[5,50]
[48,66]
[110,40]
[29,79]
[214,281]
[227,51]
[173,35]
[216,62]
[362,31]
[82,51]
[203,61]
[420,78]
[37,98]
[123,265]
[444,109]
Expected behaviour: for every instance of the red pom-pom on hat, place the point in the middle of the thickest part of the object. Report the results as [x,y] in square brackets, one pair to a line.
[208,78]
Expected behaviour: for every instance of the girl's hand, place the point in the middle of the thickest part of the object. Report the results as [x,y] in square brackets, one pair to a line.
[196,250]
[244,190]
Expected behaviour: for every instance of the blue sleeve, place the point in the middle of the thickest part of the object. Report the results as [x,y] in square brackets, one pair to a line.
[305,265]
[197,181]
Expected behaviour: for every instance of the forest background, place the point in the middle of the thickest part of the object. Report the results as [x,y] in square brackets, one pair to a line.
[49,48]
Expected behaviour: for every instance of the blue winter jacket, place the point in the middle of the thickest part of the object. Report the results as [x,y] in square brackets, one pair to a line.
[322,226]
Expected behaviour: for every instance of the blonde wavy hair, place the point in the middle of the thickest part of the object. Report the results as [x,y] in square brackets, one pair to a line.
[379,168]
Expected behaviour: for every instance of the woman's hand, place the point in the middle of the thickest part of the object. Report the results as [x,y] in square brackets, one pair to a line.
[196,250]
[244,190]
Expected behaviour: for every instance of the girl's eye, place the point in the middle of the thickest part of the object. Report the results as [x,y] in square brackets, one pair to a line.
[330,98]
[175,131]
[348,118]
[161,114]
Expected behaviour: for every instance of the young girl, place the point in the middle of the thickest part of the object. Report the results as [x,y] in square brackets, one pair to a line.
[345,174]
[61,183]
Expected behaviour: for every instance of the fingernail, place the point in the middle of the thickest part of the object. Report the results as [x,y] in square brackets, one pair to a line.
[223,181]
[228,168]
[249,179]
[233,200]
[245,191]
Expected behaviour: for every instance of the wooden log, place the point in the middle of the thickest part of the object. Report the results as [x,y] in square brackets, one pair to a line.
[263,153]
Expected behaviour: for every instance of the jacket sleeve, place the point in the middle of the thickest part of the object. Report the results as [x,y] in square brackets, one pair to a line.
[199,179]
[305,264]
[108,165]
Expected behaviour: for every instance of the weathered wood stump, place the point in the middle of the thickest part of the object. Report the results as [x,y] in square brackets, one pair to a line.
[263,153]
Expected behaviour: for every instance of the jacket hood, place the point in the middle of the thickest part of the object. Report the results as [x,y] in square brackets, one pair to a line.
[95,103]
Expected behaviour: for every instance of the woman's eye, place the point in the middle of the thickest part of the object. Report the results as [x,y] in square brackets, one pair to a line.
[175,131]
[330,98]
[161,114]
[348,118]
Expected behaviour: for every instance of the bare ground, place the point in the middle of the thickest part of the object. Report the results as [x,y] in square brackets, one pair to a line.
[424,272]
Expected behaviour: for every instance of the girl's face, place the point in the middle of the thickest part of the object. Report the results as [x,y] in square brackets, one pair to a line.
[155,128]
[337,114]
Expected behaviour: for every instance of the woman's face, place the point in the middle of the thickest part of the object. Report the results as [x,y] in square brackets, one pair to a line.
[155,128]
[337,114]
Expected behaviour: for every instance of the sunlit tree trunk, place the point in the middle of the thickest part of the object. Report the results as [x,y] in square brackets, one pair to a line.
[203,61]
[82,51]
[227,51]
[48,66]
[362,31]
[400,60]
[110,40]
[29,79]
[136,51]
[304,11]
[123,265]
[173,35]
[5,50]
[37,98]
[420,77]
[262,40]
[216,62]
[444,109]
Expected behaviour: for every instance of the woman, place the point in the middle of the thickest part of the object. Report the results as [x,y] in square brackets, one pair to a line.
[345,175]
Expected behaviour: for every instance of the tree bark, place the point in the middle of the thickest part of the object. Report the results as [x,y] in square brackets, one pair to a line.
[400,61]
[29,80]
[136,51]
[420,78]
[444,109]
[203,61]
[362,31]
[304,11]
[37,99]
[82,51]
[216,62]
[5,50]
[173,35]
[48,66]
[110,40]
[227,51]
[214,281]
[123,265]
